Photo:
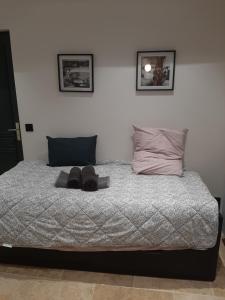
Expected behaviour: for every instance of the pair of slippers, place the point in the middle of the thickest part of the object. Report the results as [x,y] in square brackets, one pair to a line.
[85,179]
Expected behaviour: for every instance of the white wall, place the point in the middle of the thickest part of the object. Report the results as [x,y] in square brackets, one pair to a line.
[114,31]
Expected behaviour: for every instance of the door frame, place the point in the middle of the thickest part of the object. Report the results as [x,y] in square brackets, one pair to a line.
[12,88]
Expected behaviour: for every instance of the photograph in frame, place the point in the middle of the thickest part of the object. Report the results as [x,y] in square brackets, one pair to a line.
[155,70]
[76,72]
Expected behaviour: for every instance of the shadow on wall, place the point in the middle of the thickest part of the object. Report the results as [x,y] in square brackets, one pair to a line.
[154,93]
[116,31]
[76,94]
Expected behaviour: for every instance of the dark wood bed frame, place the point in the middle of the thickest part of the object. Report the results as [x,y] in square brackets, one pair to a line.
[181,264]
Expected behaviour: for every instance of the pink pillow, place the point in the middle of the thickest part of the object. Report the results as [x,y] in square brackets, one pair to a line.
[158,151]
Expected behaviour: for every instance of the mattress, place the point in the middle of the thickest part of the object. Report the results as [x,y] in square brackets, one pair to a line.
[137,212]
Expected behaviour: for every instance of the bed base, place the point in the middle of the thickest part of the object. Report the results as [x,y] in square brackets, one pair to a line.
[180,264]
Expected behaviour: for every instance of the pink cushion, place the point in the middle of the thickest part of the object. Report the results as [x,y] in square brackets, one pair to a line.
[158,151]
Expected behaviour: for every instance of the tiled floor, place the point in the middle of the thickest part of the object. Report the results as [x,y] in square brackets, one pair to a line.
[26,283]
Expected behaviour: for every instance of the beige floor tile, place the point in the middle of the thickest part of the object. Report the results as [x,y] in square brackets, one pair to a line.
[34,289]
[103,292]
[5,297]
[43,290]
[52,274]
[9,287]
[15,289]
[77,291]
[14,271]
[100,278]
[188,286]
[150,295]
[178,296]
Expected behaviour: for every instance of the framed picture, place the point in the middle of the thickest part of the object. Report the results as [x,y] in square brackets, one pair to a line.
[155,70]
[76,72]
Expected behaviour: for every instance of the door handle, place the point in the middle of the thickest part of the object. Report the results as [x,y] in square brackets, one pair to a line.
[17,130]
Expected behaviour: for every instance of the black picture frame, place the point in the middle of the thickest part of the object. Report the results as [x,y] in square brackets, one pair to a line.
[165,59]
[76,72]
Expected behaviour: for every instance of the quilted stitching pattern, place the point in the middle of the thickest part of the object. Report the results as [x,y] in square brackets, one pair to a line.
[136,212]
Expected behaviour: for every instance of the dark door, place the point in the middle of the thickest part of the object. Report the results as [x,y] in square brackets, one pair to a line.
[10,139]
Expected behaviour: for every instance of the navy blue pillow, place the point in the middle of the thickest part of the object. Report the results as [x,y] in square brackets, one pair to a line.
[80,151]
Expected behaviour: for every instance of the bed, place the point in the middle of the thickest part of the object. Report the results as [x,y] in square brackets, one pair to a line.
[165,226]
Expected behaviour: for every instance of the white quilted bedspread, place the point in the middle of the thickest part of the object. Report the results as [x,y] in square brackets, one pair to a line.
[136,212]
